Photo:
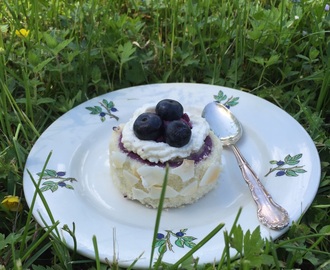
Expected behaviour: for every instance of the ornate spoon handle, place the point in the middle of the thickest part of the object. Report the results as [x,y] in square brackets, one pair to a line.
[270,213]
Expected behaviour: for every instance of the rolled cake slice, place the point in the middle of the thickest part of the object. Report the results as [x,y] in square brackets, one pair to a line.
[138,166]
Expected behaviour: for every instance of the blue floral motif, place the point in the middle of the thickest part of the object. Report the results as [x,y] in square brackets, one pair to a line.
[52,185]
[164,243]
[228,102]
[109,108]
[287,167]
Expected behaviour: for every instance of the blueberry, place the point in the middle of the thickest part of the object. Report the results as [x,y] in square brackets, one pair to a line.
[179,234]
[61,184]
[280,173]
[148,126]
[280,163]
[169,109]
[177,133]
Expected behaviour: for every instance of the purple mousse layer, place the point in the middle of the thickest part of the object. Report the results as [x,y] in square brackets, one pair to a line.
[203,153]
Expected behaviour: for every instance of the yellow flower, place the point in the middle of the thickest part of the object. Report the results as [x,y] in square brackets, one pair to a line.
[22,33]
[12,203]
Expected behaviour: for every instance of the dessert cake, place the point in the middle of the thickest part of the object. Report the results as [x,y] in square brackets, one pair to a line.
[160,134]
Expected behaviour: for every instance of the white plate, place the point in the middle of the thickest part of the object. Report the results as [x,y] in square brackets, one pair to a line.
[79,144]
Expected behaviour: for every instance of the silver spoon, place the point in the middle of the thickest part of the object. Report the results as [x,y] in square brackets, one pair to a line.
[226,126]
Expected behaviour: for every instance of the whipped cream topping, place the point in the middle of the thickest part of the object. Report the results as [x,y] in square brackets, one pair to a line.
[160,151]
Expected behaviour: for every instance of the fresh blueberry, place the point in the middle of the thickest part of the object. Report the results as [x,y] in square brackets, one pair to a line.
[169,109]
[102,114]
[280,163]
[179,234]
[280,173]
[61,184]
[148,126]
[177,133]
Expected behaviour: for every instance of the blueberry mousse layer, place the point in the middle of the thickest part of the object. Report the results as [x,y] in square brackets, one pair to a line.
[196,157]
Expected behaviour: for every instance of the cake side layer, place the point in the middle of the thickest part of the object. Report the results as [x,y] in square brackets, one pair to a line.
[187,182]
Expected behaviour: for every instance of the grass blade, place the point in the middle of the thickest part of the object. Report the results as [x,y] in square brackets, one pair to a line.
[159,213]
[97,256]
[198,245]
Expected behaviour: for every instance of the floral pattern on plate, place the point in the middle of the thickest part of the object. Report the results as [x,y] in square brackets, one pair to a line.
[106,108]
[181,240]
[60,180]
[228,102]
[288,166]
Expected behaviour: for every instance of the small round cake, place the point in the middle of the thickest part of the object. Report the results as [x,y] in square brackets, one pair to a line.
[161,134]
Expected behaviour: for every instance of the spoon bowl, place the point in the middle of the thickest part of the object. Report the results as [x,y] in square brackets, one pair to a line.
[223,123]
[229,130]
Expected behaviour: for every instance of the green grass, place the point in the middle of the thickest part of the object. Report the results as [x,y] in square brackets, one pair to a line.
[76,50]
